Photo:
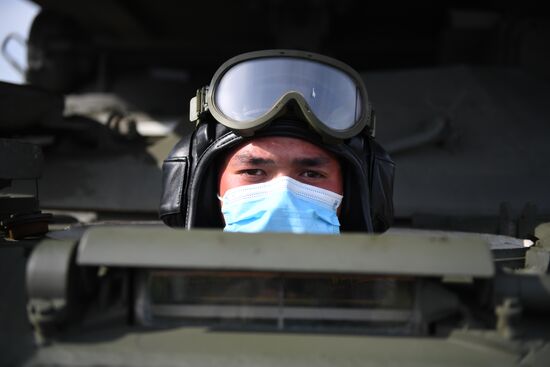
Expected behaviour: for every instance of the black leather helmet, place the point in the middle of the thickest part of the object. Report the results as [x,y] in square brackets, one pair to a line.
[191,171]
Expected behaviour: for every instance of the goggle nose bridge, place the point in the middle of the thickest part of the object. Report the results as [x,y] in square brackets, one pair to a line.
[299,106]
[293,99]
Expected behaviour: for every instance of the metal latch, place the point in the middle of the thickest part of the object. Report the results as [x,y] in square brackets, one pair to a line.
[198,105]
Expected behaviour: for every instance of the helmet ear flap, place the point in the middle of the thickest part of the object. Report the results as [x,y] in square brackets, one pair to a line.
[372,180]
[176,171]
[175,177]
[381,177]
[190,177]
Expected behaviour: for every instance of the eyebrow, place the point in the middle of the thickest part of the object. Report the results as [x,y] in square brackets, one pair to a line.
[311,161]
[246,158]
[250,159]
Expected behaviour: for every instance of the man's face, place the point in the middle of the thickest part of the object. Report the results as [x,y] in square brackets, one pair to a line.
[263,159]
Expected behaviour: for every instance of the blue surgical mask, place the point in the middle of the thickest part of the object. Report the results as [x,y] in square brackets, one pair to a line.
[281,205]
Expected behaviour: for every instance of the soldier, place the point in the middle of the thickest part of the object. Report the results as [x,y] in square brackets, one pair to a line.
[284,142]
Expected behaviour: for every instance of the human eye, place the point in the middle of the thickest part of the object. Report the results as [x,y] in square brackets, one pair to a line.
[312,174]
[252,172]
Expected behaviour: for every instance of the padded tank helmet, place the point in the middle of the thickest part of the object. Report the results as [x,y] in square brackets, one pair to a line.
[280,93]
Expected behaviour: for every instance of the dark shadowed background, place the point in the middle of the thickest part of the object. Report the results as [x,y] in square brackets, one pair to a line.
[460,88]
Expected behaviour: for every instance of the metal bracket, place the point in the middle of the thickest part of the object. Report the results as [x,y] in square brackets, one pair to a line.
[48,282]
[198,105]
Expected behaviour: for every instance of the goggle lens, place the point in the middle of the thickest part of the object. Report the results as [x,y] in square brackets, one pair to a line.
[250,89]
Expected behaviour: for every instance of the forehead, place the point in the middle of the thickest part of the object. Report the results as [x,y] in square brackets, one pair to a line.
[279,148]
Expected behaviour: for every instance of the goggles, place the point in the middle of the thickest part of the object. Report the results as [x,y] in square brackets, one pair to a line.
[251,90]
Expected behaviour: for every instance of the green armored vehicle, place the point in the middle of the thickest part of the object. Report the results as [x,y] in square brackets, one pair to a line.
[92,277]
